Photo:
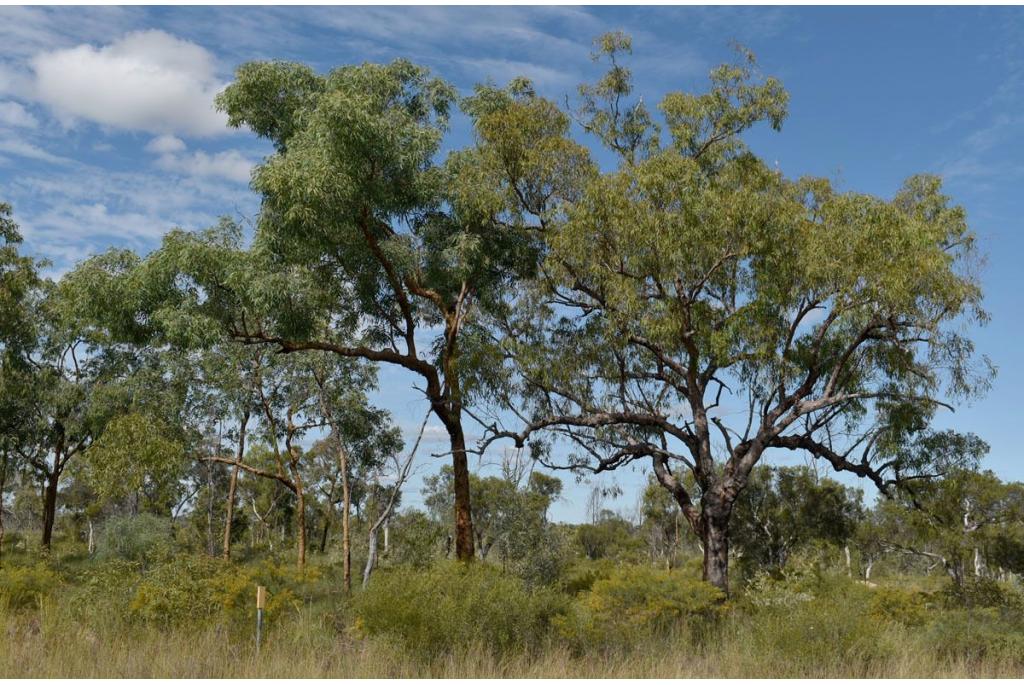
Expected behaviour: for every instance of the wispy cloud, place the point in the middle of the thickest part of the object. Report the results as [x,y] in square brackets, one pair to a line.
[16,116]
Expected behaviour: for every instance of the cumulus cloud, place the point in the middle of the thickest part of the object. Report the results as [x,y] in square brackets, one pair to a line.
[14,115]
[146,81]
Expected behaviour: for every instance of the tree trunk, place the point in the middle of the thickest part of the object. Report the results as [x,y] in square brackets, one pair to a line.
[232,486]
[3,484]
[327,528]
[463,516]
[300,511]
[49,507]
[371,555]
[211,548]
[346,540]
[716,551]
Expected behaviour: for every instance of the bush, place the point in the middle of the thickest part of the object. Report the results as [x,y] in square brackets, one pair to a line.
[634,602]
[23,587]
[145,538]
[899,606]
[980,592]
[197,590]
[452,605]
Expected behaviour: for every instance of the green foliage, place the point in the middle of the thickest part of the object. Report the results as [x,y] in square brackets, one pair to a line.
[785,508]
[198,590]
[449,606]
[906,607]
[132,453]
[632,602]
[24,587]
[418,540]
[977,592]
[144,538]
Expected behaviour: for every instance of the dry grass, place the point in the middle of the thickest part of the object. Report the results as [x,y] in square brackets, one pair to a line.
[38,645]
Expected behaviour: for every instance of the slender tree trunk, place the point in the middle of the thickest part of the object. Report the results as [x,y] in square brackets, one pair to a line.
[371,555]
[463,515]
[233,485]
[327,528]
[300,512]
[346,540]
[3,484]
[49,507]
[92,539]
[849,567]
[211,548]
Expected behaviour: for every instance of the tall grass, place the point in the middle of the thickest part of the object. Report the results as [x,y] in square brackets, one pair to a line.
[41,645]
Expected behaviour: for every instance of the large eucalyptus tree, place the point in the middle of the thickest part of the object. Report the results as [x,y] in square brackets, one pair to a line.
[697,308]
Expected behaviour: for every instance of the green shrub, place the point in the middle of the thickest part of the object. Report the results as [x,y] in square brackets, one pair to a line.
[581,576]
[197,590]
[980,592]
[23,587]
[788,590]
[900,606]
[452,605]
[145,538]
[633,602]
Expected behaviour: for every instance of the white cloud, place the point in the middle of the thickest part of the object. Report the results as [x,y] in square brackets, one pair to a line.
[165,144]
[13,114]
[230,165]
[20,148]
[148,81]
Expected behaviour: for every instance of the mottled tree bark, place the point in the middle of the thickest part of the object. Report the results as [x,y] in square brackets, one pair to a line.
[463,517]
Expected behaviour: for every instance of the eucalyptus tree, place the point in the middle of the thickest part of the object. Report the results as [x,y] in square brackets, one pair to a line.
[19,282]
[784,508]
[384,495]
[957,522]
[365,246]
[395,244]
[361,435]
[70,383]
[699,309]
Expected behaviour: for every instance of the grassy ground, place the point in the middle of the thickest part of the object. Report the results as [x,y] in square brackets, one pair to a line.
[40,644]
[307,648]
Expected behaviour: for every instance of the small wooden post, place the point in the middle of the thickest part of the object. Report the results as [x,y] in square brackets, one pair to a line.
[261,604]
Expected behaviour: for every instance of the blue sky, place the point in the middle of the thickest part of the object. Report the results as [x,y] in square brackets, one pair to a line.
[108,136]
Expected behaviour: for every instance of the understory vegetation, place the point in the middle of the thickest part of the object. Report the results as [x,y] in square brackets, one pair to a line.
[191,615]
